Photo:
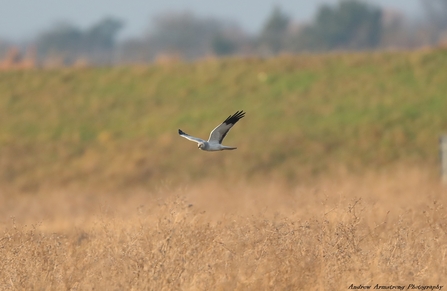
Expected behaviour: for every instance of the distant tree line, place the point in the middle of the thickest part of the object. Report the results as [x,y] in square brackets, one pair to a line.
[348,25]
[69,42]
[186,36]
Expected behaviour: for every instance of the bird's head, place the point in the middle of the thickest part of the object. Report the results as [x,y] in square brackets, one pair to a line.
[201,145]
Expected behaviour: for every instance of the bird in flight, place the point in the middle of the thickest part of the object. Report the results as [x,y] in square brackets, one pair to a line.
[214,142]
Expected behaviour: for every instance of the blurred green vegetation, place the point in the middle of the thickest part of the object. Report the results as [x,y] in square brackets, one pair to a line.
[307,115]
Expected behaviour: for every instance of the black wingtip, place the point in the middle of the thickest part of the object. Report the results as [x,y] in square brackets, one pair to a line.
[232,119]
[181,132]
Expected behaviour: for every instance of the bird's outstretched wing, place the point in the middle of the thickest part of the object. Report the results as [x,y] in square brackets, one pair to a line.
[219,133]
[191,138]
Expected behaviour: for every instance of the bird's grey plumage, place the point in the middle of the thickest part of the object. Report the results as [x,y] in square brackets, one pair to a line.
[217,135]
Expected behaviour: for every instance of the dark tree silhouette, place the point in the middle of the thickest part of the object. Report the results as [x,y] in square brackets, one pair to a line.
[350,25]
[272,37]
[95,44]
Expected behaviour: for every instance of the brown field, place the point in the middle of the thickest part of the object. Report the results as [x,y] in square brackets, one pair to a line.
[387,229]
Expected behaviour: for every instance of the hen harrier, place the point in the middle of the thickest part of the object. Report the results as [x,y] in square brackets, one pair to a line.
[214,142]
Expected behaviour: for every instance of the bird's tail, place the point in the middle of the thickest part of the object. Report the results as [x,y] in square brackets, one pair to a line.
[228,148]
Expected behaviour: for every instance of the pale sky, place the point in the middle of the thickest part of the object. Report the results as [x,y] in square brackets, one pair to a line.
[22,19]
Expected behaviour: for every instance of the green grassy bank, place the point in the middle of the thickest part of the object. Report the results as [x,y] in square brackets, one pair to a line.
[307,115]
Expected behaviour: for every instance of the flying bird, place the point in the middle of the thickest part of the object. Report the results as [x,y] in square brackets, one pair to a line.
[214,142]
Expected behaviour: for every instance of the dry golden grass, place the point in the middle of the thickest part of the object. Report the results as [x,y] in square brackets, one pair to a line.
[381,229]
